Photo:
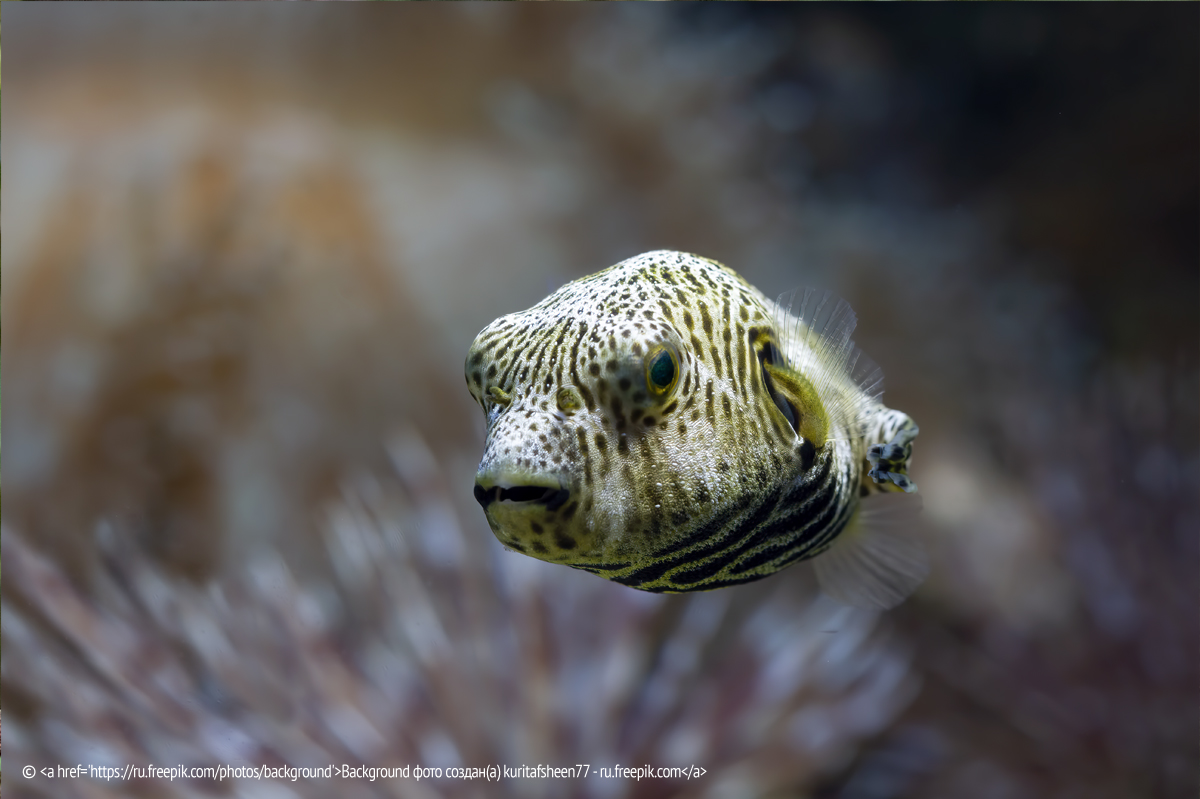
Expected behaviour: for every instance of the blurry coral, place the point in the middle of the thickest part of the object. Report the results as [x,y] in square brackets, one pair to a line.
[203,333]
[421,650]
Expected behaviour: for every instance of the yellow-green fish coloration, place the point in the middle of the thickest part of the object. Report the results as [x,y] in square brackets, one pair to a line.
[663,424]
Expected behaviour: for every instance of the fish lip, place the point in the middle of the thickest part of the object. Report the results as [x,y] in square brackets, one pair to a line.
[515,491]
[513,479]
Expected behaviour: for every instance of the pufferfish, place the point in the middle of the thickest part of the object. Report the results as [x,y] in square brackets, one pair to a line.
[663,424]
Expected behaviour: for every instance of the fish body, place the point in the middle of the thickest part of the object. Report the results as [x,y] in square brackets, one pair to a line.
[664,425]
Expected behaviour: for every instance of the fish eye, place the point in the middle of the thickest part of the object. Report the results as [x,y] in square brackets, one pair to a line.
[662,371]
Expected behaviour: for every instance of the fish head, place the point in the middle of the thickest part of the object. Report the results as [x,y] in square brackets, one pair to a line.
[622,413]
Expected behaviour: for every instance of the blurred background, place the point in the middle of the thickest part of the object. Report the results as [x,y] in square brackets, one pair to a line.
[247,247]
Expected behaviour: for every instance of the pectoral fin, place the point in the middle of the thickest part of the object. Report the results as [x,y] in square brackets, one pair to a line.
[875,562]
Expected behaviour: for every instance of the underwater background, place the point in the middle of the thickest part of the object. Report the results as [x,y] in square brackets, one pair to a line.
[247,247]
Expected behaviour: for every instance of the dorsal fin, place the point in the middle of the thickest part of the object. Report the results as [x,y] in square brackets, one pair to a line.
[814,328]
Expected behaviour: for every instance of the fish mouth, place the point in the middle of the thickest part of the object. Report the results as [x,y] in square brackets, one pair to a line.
[551,497]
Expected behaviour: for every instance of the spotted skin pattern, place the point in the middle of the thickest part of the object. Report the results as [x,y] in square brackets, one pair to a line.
[593,462]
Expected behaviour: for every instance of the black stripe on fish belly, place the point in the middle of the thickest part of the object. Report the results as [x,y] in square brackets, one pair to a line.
[785,495]
[710,535]
[815,548]
[710,532]
[711,539]
[692,572]
[601,568]
[758,531]
[645,574]
[715,541]
[653,589]
[812,523]
[711,584]
[706,560]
